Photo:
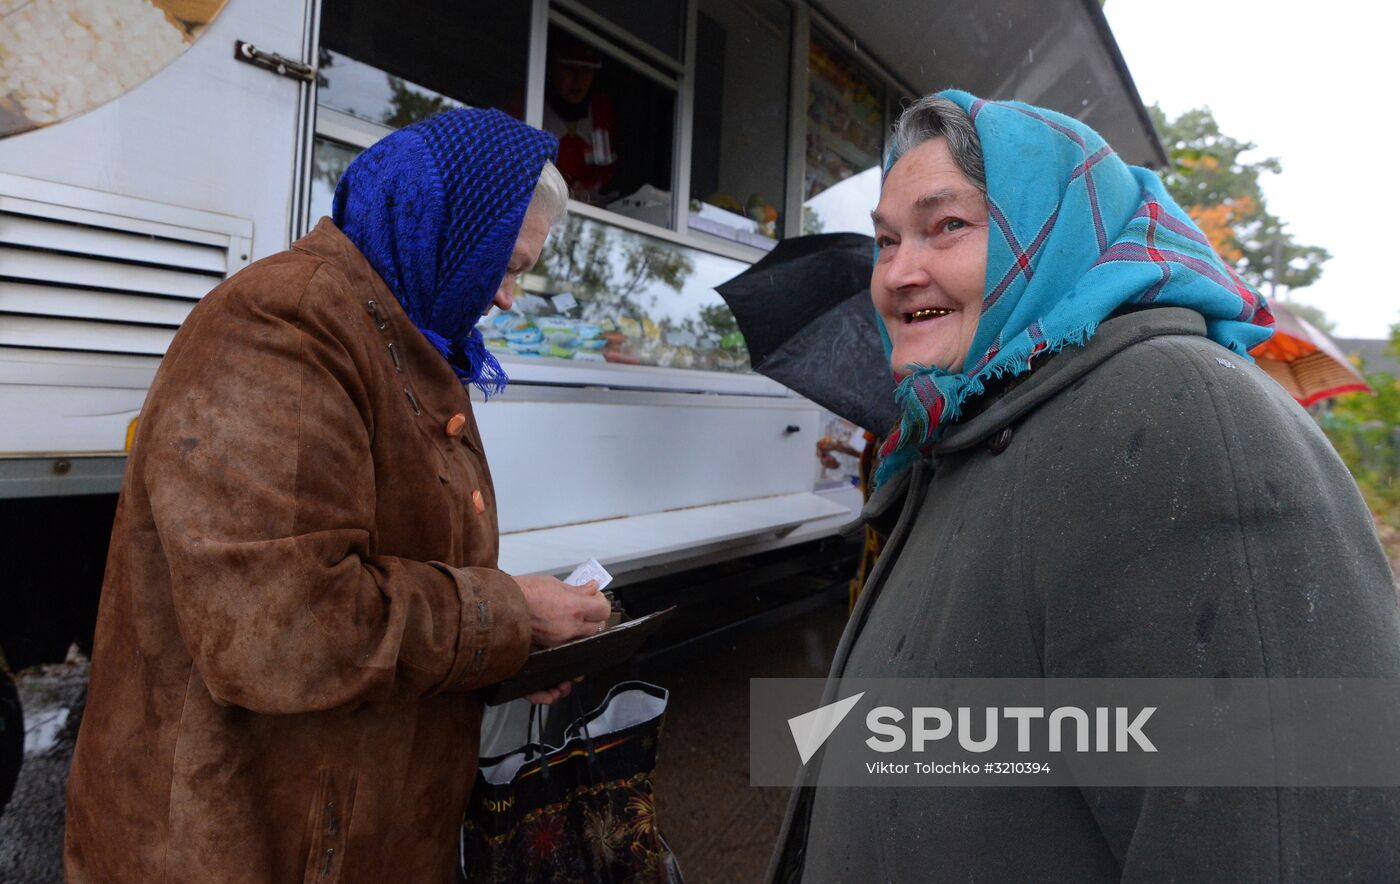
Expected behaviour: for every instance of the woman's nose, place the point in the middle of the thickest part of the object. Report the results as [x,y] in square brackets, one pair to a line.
[907,270]
[505,297]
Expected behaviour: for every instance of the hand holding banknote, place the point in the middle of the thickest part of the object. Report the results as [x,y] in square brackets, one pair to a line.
[562,611]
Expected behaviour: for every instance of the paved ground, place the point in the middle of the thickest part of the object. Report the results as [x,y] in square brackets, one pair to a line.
[721,828]
[31,828]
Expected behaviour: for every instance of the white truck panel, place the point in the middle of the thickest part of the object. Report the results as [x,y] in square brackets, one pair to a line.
[582,455]
[90,420]
[205,133]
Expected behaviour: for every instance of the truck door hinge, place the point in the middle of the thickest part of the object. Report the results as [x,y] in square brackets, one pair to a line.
[271,61]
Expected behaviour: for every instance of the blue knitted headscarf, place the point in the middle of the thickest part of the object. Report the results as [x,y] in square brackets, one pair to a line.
[436,208]
[1074,234]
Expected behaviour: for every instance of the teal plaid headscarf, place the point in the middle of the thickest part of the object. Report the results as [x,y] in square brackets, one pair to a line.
[1074,234]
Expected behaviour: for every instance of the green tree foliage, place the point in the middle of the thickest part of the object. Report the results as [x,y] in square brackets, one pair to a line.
[717,319]
[1221,191]
[407,105]
[616,274]
[1366,432]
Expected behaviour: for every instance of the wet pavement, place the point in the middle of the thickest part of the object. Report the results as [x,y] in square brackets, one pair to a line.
[31,826]
[721,828]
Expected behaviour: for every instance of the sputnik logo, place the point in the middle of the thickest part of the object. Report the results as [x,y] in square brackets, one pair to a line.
[811,729]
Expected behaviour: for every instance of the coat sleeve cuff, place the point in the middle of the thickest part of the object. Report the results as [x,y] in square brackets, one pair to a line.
[493,630]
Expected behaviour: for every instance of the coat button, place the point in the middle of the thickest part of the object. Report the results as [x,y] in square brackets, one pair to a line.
[998,443]
[478,502]
[455,423]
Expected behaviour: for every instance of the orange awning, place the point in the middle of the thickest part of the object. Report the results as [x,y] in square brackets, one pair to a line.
[1305,362]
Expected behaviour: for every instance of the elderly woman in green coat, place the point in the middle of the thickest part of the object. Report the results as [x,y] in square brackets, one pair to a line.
[1090,479]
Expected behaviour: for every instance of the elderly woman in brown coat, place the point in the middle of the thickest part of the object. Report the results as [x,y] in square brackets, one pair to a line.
[302,595]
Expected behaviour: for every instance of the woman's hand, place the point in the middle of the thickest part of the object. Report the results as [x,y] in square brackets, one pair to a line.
[560,612]
[549,695]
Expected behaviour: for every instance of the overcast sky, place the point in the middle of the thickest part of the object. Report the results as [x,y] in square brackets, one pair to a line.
[1314,85]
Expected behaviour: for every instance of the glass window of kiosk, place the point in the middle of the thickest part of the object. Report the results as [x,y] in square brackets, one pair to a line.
[600,293]
[604,294]
[394,64]
[658,23]
[845,139]
[329,160]
[739,141]
[615,125]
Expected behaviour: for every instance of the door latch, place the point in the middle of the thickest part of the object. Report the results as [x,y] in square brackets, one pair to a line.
[271,61]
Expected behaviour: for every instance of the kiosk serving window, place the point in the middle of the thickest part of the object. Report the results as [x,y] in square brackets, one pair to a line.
[629,277]
[393,65]
[739,146]
[659,24]
[615,125]
[380,68]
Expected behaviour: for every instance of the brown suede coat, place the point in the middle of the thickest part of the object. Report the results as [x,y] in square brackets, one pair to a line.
[300,600]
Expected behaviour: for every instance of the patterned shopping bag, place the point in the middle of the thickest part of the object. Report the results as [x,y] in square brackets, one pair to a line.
[583,811]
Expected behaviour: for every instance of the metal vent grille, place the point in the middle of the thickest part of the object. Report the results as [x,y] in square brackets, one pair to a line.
[77,276]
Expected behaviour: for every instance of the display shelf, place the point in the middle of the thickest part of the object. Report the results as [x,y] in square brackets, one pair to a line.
[859,158]
[839,95]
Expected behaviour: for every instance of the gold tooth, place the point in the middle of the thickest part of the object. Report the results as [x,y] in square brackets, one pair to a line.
[929,311]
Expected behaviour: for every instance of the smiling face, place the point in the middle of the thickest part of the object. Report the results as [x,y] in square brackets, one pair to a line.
[528,245]
[931,229]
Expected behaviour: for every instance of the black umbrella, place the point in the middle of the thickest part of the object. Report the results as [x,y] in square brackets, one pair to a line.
[806,317]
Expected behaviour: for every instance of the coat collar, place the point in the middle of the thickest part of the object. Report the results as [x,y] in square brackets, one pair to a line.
[436,389]
[882,510]
[1069,365]
[327,242]
[1113,336]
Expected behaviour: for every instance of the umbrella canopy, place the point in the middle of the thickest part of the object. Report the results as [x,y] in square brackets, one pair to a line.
[1305,362]
[806,316]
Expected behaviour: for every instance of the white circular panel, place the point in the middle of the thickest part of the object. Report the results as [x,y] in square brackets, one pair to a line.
[60,58]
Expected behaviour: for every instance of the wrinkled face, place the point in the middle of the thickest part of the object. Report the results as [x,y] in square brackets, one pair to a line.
[527,251]
[931,230]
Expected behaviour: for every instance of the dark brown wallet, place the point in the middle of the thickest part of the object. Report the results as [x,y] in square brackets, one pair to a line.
[583,656]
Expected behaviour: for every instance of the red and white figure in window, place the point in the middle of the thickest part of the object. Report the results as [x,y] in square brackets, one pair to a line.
[582,117]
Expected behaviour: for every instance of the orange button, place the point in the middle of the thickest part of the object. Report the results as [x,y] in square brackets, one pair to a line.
[478,502]
[455,423]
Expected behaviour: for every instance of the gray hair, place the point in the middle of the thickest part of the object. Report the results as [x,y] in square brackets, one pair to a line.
[936,117]
[551,194]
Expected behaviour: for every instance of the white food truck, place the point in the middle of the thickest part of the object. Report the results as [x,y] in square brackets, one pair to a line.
[633,430]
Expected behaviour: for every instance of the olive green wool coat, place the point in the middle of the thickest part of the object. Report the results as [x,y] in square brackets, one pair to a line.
[1150,505]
